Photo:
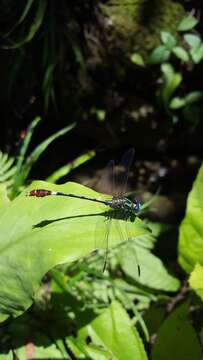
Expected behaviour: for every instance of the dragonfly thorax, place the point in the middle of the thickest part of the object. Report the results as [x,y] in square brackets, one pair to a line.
[124,204]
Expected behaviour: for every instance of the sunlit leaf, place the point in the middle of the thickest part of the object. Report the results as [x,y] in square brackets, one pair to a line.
[24,167]
[153,274]
[191,229]
[38,233]
[113,332]
[196,280]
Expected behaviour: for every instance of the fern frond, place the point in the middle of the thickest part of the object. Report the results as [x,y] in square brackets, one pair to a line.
[7,169]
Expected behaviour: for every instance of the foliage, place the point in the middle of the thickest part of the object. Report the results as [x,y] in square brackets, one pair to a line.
[191,230]
[110,334]
[177,333]
[187,49]
[195,280]
[38,231]
[129,73]
[14,171]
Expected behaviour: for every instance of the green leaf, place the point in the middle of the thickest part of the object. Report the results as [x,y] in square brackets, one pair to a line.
[191,229]
[137,59]
[192,40]
[177,103]
[159,55]
[4,200]
[25,12]
[197,54]
[152,271]
[35,25]
[7,169]
[196,280]
[193,97]
[21,157]
[113,332]
[24,169]
[36,234]
[188,23]
[66,169]
[171,81]
[41,347]
[101,115]
[168,40]
[176,338]
[181,53]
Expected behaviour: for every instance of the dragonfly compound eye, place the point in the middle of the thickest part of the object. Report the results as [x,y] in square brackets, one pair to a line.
[136,206]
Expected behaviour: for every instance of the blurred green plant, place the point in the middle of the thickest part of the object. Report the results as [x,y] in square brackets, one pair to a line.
[188,48]
[14,172]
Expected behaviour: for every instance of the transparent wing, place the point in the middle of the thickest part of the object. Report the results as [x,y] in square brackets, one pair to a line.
[129,243]
[107,183]
[122,173]
[109,233]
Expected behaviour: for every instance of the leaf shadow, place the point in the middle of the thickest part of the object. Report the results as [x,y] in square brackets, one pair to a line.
[110,214]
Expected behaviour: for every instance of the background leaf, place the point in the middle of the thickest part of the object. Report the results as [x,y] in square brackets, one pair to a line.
[113,331]
[188,23]
[159,279]
[176,336]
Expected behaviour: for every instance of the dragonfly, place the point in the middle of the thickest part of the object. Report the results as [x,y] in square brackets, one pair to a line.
[119,201]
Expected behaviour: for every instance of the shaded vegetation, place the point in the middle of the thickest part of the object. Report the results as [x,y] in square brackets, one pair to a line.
[104,76]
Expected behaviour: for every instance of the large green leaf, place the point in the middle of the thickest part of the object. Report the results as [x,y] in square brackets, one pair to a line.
[39,233]
[176,338]
[113,334]
[191,229]
[196,280]
[153,273]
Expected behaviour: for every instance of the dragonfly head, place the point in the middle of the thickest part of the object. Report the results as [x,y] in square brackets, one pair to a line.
[136,206]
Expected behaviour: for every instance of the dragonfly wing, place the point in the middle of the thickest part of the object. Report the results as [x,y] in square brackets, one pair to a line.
[129,233]
[106,184]
[102,232]
[123,171]
[109,233]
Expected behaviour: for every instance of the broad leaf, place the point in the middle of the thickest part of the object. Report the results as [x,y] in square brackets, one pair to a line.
[38,233]
[168,40]
[191,229]
[196,280]
[181,53]
[188,23]
[159,55]
[113,332]
[176,338]
[153,273]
